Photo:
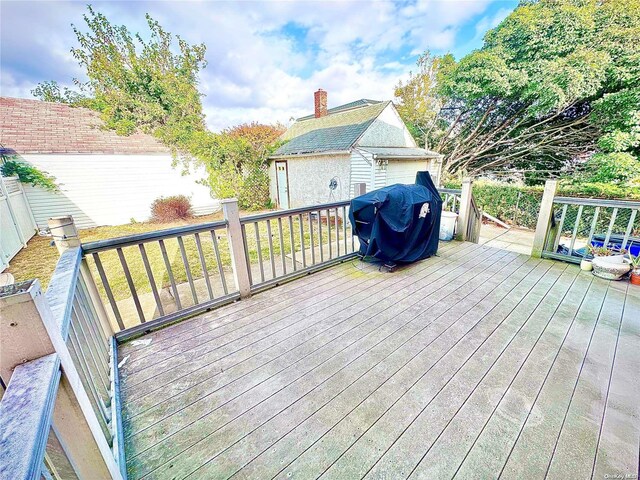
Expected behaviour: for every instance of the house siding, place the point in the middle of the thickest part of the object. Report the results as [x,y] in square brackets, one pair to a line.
[309,179]
[404,171]
[112,189]
[361,170]
[388,130]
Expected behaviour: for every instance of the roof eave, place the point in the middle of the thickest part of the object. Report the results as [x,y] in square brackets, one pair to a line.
[408,157]
[309,154]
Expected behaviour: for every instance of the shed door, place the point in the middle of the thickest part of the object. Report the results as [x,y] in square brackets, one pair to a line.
[282,181]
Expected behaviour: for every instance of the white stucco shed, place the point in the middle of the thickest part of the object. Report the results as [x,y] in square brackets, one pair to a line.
[327,153]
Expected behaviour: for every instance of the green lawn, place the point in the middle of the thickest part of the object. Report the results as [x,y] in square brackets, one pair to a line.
[38,260]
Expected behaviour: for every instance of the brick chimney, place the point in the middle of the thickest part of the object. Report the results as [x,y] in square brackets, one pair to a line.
[320,98]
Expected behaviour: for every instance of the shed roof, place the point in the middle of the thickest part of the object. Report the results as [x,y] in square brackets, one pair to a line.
[336,131]
[33,126]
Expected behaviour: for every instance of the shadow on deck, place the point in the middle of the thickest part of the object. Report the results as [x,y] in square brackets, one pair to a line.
[476,363]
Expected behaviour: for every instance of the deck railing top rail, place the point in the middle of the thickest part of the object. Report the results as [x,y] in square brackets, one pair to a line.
[601,202]
[120,242]
[292,211]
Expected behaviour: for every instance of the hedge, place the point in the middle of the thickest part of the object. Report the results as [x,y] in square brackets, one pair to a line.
[519,205]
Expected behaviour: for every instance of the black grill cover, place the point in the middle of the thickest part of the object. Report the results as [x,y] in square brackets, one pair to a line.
[398,223]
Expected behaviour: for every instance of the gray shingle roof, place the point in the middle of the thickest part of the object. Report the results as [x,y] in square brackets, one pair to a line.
[363,102]
[335,132]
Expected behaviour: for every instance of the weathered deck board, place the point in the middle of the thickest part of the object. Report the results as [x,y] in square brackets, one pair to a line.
[537,431]
[371,314]
[619,441]
[462,364]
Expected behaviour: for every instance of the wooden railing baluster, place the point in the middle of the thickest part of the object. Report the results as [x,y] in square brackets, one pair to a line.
[259,248]
[152,281]
[203,265]
[311,240]
[187,269]
[219,262]
[329,233]
[132,287]
[272,259]
[107,289]
[172,281]
[283,255]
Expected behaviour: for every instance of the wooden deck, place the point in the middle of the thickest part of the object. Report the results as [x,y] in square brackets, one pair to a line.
[477,363]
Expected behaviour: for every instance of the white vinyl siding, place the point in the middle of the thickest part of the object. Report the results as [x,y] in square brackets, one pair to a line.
[388,130]
[112,189]
[404,171]
[361,170]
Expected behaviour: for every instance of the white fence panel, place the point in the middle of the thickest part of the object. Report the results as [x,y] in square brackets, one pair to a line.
[17,225]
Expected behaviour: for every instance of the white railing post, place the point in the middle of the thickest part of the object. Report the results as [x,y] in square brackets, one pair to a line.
[30,331]
[239,261]
[65,236]
[544,218]
[464,215]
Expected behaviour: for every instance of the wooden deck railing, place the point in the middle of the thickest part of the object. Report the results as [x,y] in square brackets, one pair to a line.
[567,226]
[59,417]
[450,199]
[462,202]
[192,280]
[60,414]
[284,244]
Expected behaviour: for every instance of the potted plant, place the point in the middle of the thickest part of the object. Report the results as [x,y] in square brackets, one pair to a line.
[635,269]
[609,264]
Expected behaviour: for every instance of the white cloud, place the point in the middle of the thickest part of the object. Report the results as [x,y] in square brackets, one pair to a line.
[352,49]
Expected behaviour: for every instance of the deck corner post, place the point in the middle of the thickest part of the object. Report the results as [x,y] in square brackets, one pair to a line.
[239,263]
[65,236]
[465,209]
[31,332]
[64,232]
[544,217]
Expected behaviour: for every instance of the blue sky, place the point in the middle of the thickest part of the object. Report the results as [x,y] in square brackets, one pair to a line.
[265,59]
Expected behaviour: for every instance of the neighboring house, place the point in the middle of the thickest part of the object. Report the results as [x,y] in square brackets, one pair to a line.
[105,178]
[327,153]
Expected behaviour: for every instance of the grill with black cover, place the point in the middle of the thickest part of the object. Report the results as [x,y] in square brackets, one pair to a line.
[399,223]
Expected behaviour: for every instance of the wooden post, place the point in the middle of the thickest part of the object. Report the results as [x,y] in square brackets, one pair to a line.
[236,246]
[65,236]
[25,310]
[544,217]
[64,232]
[464,215]
[359,189]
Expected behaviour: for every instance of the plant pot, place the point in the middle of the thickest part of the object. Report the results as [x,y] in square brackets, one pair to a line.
[610,268]
[586,265]
[635,277]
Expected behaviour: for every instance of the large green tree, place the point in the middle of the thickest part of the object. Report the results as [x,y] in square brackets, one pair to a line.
[152,85]
[556,80]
